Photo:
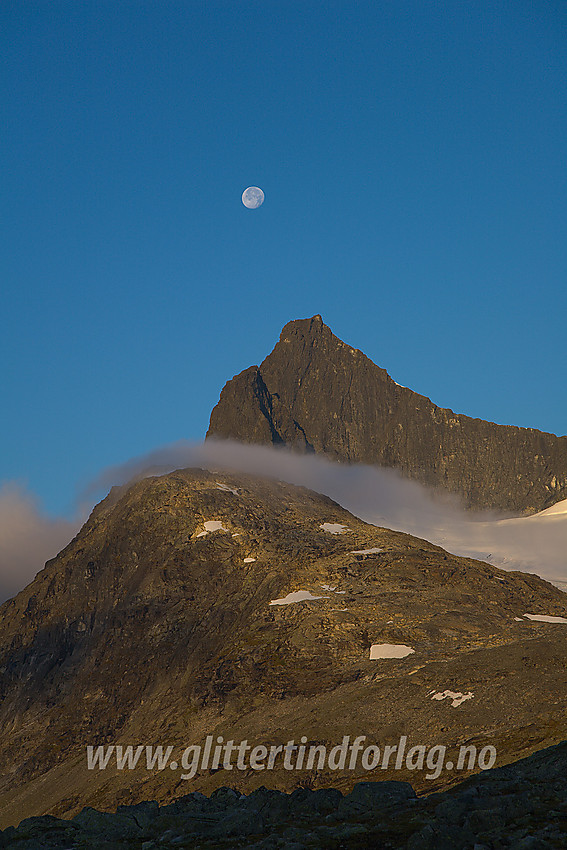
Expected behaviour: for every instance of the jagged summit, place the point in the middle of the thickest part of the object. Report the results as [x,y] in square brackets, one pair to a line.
[318,394]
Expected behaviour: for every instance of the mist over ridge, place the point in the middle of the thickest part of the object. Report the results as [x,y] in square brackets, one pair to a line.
[28,537]
[379,496]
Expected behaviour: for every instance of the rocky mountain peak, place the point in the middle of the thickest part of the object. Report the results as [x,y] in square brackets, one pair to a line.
[200,603]
[318,394]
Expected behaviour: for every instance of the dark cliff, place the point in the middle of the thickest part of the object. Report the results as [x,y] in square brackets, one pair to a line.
[318,394]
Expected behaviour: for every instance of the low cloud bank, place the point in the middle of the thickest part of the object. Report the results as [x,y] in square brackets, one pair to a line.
[383,497]
[380,496]
[28,538]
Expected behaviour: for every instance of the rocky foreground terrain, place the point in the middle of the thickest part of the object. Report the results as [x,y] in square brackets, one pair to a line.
[318,394]
[522,806]
[201,604]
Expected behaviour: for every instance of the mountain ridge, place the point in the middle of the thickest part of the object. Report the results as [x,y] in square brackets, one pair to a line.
[318,394]
[162,622]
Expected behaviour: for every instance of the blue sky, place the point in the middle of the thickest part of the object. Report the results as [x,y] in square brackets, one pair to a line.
[413,159]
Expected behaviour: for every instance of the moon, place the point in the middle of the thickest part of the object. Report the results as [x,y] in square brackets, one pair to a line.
[252,197]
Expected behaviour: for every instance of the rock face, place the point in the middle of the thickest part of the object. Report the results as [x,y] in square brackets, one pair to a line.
[318,394]
[171,617]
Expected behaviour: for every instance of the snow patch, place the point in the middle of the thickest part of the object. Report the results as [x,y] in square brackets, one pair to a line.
[389,650]
[456,697]
[555,510]
[366,552]
[334,527]
[226,488]
[297,596]
[545,618]
[212,525]
[249,560]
